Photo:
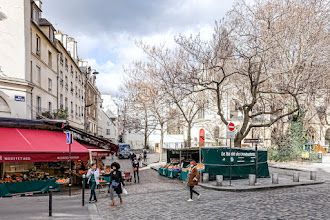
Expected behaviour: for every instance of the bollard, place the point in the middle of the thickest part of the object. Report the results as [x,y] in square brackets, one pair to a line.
[295,177]
[83,189]
[219,179]
[252,179]
[275,178]
[205,177]
[313,175]
[70,186]
[50,200]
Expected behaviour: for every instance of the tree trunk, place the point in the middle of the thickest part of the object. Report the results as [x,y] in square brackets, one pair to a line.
[146,130]
[189,136]
[161,142]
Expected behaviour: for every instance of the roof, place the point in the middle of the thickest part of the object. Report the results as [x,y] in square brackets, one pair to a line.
[44,22]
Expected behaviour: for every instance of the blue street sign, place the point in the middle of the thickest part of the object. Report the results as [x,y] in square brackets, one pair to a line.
[19,98]
[68,135]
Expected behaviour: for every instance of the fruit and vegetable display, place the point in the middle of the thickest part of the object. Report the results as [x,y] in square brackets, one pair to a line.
[62,181]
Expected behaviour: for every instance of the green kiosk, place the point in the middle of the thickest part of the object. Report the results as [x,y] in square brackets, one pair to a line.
[217,162]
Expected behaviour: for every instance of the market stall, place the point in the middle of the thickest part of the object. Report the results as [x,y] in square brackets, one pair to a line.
[178,163]
[217,162]
[35,155]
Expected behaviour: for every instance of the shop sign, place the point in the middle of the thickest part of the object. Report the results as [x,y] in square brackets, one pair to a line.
[253,141]
[13,158]
[99,154]
[67,157]
[19,98]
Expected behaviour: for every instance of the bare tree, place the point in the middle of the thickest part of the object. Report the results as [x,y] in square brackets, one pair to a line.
[171,68]
[269,54]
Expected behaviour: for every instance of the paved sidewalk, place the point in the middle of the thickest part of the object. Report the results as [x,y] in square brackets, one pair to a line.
[36,207]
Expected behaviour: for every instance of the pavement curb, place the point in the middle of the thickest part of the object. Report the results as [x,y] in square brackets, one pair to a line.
[93,212]
[258,188]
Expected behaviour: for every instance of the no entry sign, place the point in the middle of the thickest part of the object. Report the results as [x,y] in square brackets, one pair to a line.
[231,126]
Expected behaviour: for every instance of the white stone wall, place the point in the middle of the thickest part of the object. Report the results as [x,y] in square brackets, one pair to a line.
[15,58]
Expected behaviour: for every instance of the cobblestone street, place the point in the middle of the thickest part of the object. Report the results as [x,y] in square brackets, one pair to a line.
[158,197]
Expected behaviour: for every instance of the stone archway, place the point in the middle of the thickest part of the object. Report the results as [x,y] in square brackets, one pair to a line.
[4,108]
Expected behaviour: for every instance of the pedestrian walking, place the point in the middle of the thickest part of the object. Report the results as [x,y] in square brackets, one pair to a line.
[193,180]
[116,182]
[145,155]
[136,170]
[93,176]
[112,153]
[140,159]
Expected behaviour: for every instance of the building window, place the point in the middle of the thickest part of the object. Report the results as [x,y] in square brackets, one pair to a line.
[61,78]
[66,64]
[49,85]
[38,74]
[71,70]
[79,93]
[201,113]
[38,41]
[38,104]
[66,103]
[108,131]
[76,110]
[66,83]
[71,87]
[50,59]
[49,106]
[51,34]
[61,101]
[61,58]
[35,15]
[76,91]
[71,108]
[79,111]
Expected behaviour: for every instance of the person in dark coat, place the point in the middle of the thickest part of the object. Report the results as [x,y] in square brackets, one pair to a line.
[116,182]
[136,170]
[193,180]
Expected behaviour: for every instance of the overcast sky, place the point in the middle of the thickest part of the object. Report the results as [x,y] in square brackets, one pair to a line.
[106,30]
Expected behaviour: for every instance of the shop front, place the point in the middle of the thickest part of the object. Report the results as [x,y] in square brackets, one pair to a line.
[30,155]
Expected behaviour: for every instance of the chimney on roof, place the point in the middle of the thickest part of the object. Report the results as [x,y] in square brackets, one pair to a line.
[39,4]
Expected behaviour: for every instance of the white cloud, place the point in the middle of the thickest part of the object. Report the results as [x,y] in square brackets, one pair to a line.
[106,31]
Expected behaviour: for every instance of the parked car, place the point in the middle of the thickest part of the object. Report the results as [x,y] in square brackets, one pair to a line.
[124,151]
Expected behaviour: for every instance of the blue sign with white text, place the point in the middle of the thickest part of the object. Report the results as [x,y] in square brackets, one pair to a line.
[19,98]
[68,137]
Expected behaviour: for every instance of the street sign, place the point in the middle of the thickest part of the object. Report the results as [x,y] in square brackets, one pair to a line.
[231,126]
[68,135]
[19,98]
[231,131]
[253,141]
[231,134]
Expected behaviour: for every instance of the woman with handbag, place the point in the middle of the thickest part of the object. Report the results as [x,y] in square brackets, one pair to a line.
[93,176]
[116,182]
[136,170]
[193,180]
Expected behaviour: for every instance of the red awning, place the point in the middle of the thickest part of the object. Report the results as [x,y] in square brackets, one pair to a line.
[37,146]
[95,150]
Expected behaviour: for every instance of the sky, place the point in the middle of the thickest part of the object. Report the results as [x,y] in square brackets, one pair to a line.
[106,30]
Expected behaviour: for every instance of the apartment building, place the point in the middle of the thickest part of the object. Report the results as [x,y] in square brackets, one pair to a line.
[93,104]
[39,73]
[71,85]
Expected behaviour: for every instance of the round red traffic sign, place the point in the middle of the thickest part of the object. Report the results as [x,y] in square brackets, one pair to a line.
[231,126]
